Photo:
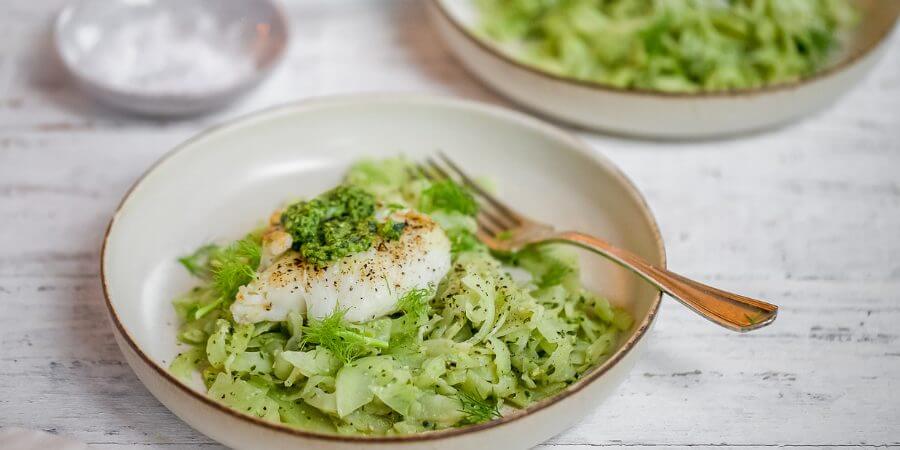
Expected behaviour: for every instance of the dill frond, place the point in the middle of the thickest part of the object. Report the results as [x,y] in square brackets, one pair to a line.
[235,266]
[339,337]
[226,269]
[448,196]
[477,410]
[462,240]
[197,263]
[415,303]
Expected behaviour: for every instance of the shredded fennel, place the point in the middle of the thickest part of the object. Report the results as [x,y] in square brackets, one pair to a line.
[454,354]
[670,45]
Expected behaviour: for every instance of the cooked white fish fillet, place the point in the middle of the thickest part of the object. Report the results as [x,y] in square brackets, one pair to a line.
[366,285]
[275,243]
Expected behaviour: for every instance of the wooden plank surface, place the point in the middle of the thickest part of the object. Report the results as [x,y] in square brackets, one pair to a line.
[808,215]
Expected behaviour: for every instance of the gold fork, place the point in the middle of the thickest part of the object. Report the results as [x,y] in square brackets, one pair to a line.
[504,230]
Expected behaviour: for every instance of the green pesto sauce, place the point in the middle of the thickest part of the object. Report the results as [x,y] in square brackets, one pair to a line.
[336,224]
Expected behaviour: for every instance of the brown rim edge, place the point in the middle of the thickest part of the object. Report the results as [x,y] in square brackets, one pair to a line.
[572,389]
[828,71]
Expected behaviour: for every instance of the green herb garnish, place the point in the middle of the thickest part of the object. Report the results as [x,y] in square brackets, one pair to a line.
[448,196]
[197,263]
[235,266]
[226,268]
[391,230]
[415,302]
[477,410]
[343,340]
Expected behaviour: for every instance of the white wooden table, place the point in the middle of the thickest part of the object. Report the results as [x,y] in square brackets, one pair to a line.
[807,215]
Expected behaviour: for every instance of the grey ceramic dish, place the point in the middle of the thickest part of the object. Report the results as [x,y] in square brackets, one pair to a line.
[85,26]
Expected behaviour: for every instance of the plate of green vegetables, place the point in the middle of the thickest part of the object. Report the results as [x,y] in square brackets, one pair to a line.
[319,292]
[668,69]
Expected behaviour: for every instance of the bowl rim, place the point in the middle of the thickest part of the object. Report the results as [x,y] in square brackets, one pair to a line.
[59,22]
[425,100]
[495,51]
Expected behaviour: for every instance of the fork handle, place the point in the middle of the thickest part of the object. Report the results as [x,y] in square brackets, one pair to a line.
[731,311]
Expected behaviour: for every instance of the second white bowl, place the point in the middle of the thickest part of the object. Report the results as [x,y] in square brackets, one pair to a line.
[656,114]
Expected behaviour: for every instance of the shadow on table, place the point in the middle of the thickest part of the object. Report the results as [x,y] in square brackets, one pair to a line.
[429,54]
[46,75]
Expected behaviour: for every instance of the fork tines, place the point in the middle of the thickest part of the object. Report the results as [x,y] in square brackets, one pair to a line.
[494,217]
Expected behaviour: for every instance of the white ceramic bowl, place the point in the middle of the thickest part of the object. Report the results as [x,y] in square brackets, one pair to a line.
[221,183]
[656,114]
[93,37]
